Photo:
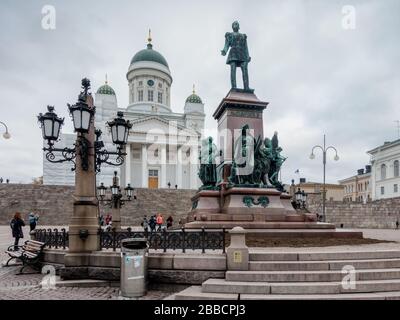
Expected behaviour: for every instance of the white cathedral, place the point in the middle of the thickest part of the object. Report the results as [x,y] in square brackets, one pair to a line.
[162,149]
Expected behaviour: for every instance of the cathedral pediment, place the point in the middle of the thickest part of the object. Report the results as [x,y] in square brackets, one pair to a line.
[157,124]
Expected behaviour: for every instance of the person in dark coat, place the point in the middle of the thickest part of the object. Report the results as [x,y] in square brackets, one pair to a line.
[170,220]
[152,223]
[16,225]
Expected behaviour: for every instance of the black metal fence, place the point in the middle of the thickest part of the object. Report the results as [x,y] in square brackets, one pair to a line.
[161,240]
[53,238]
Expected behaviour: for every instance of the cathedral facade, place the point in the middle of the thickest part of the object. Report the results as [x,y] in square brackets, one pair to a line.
[163,146]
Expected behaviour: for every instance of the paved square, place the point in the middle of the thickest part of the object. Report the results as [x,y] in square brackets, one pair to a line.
[28,286]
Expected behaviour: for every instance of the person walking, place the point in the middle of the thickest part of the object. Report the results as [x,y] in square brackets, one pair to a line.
[108,219]
[152,223]
[397,224]
[160,221]
[101,220]
[145,224]
[169,222]
[33,219]
[16,225]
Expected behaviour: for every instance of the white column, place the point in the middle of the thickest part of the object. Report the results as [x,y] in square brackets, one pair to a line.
[193,167]
[145,172]
[163,166]
[179,168]
[128,164]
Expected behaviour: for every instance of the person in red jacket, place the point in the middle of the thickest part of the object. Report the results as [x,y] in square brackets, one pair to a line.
[160,221]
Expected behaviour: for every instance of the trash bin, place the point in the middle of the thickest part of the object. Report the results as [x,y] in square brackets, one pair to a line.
[134,253]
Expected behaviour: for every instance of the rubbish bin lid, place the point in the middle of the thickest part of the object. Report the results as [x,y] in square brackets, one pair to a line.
[134,243]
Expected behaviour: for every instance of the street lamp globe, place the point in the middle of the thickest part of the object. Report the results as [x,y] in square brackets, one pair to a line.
[304,195]
[336,158]
[81,116]
[129,191]
[298,195]
[119,129]
[102,190]
[6,135]
[50,124]
[312,156]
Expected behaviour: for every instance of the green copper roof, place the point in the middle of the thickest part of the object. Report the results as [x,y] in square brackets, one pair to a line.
[106,89]
[149,55]
[194,98]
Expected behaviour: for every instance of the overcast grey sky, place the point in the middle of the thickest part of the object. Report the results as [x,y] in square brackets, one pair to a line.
[318,77]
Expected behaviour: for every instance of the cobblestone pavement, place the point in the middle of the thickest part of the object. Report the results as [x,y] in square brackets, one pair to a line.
[28,286]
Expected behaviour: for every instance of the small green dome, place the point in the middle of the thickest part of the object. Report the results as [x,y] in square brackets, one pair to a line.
[149,55]
[106,89]
[194,98]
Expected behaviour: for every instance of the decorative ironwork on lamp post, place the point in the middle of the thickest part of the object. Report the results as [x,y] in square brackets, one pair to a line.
[82,116]
[116,201]
[300,199]
[6,135]
[87,154]
[336,158]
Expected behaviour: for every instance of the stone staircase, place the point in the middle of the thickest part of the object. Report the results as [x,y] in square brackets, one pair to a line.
[306,276]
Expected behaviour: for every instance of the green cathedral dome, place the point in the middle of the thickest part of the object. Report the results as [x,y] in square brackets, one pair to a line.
[149,55]
[106,89]
[194,98]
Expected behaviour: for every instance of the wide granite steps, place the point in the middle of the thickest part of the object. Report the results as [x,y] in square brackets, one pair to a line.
[327,287]
[305,275]
[195,293]
[256,255]
[323,265]
[311,276]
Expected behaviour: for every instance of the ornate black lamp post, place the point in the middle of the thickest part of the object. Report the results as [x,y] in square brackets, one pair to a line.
[304,199]
[299,198]
[116,201]
[87,154]
[6,135]
[82,117]
[336,158]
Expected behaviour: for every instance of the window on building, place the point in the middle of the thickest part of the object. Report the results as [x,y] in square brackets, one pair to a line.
[382,190]
[140,83]
[140,95]
[159,97]
[383,171]
[153,173]
[395,188]
[136,153]
[396,168]
[160,85]
[150,95]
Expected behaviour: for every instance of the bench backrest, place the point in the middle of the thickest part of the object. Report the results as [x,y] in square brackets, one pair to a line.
[33,246]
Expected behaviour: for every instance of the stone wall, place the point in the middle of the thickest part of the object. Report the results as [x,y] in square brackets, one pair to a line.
[374,214]
[54,204]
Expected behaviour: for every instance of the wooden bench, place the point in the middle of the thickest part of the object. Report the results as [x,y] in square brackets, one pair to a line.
[30,254]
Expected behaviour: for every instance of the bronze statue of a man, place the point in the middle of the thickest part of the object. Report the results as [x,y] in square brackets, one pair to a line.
[238,55]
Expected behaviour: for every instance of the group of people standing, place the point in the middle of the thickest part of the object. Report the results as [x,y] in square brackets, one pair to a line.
[156,223]
[17,223]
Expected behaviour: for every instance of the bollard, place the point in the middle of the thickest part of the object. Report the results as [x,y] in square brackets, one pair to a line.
[237,254]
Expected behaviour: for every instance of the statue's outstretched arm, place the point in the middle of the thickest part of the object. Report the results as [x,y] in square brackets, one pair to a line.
[226,47]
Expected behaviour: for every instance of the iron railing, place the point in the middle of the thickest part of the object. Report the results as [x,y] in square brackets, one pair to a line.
[53,238]
[161,240]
